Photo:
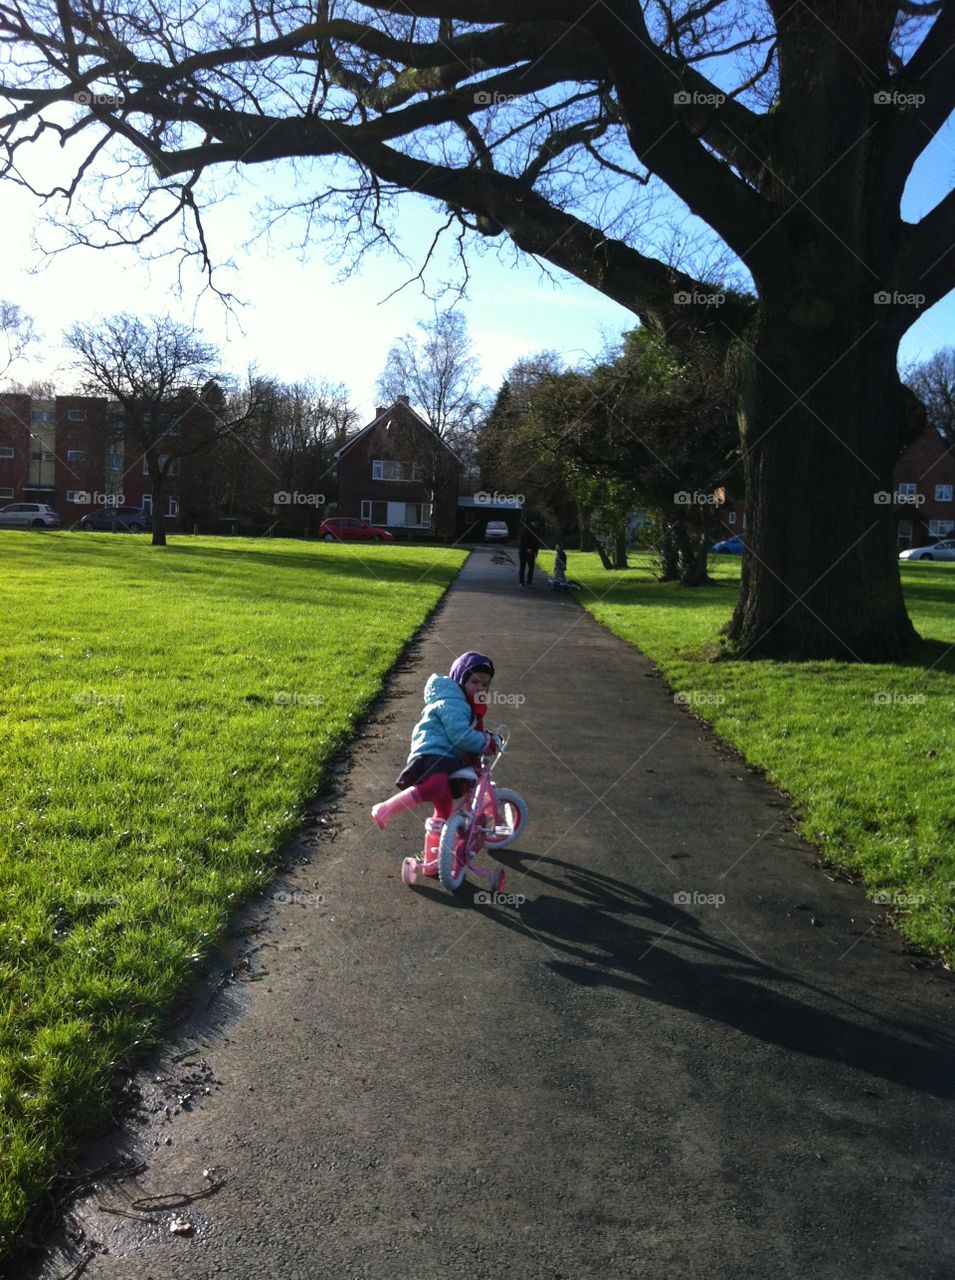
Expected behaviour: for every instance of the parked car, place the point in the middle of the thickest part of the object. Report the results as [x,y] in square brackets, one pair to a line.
[118,520]
[496,531]
[937,551]
[28,515]
[729,546]
[348,529]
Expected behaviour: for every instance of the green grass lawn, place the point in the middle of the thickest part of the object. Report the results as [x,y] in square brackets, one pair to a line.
[164,714]
[867,753]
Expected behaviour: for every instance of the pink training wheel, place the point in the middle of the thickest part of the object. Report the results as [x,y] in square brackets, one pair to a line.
[409,870]
[497,880]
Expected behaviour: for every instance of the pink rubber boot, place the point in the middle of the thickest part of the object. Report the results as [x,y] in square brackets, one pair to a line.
[383,813]
[432,841]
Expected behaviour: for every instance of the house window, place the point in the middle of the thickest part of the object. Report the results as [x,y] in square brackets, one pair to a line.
[162,460]
[732,517]
[77,495]
[41,455]
[114,462]
[6,493]
[6,451]
[941,528]
[41,415]
[382,469]
[397,515]
[908,490]
[76,415]
[374,512]
[943,493]
[905,533]
[172,506]
[76,455]
[417,515]
[148,503]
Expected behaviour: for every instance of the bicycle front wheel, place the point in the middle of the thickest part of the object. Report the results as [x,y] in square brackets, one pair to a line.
[511,819]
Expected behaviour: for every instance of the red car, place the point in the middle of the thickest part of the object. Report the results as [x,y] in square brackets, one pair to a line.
[346,529]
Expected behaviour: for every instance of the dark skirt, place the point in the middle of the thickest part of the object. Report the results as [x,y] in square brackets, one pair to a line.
[422,767]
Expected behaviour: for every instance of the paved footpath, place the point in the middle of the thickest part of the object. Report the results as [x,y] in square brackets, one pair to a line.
[688,1052]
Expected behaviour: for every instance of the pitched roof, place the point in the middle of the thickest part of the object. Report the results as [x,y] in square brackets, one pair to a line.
[399,406]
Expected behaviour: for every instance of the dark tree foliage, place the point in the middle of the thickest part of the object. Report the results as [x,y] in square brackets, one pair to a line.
[789,131]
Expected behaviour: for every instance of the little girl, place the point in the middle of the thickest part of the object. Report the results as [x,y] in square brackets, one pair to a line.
[450,730]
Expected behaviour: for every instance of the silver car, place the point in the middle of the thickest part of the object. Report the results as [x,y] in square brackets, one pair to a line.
[28,515]
[935,551]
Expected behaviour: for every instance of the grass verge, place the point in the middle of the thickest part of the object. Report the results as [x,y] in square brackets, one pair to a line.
[867,752]
[164,714]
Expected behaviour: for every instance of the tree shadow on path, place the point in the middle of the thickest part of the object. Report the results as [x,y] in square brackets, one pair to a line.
[610,934]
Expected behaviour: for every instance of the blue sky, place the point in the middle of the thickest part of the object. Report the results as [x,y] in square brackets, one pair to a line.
[302,321]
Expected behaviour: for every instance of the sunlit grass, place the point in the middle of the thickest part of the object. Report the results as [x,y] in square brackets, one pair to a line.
[165,712]
[867,752]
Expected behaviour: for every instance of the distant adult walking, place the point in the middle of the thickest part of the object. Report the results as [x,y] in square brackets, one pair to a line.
[528,548]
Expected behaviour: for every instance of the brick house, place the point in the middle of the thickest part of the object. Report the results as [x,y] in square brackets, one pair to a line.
[922,498]
[924,491]
[399,474]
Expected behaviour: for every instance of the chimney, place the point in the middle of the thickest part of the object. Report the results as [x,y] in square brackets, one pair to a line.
[380,409]
[404,400]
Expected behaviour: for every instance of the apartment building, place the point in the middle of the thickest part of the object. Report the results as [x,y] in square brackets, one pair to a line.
[73,453]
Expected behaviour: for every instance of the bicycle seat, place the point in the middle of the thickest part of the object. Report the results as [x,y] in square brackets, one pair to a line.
[465,774]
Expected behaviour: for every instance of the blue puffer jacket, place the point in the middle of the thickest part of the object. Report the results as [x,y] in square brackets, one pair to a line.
[447,724]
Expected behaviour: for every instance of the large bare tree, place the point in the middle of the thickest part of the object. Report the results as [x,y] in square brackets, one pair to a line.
[786,127]
[17,334]
[160,374]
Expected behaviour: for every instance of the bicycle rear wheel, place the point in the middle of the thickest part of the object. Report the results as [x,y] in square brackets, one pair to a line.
[452,862]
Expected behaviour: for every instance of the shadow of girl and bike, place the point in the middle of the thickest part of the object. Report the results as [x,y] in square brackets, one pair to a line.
[607,933]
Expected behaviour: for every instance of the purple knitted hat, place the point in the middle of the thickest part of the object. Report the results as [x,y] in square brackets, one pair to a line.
[468,663]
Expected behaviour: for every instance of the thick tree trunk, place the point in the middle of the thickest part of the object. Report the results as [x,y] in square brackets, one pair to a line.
[669,554]
[619,549]
[821,413]
[159,524]
[694,562]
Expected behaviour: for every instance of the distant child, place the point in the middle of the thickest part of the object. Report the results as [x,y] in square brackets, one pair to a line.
[450,730]
[560,567]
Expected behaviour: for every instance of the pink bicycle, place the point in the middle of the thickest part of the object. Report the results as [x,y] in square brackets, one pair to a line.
[487,815]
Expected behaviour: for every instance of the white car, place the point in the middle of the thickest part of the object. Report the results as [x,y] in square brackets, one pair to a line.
[496,531]
[28,515]
[937,551]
